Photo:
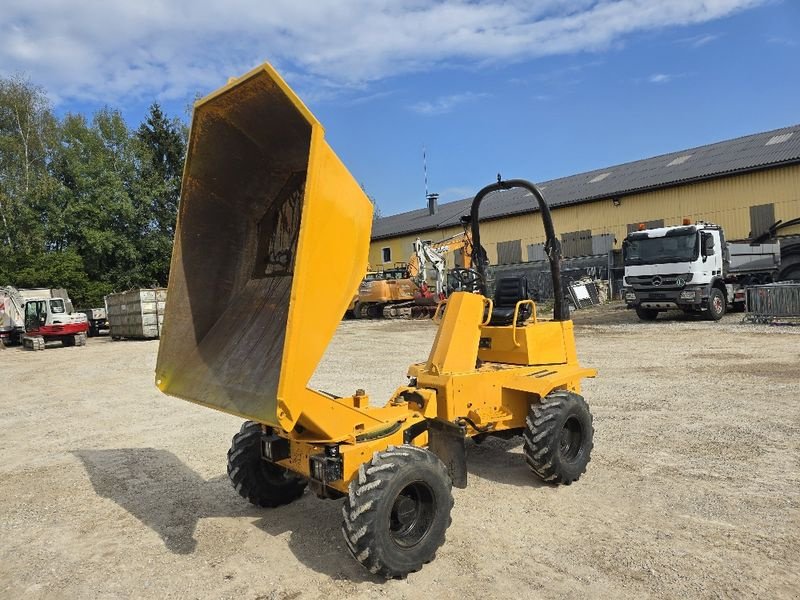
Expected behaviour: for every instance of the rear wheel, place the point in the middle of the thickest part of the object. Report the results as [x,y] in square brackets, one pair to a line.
[646,314]
[716,304]
[397,511]
[559,437]
[790,269]
[258,481]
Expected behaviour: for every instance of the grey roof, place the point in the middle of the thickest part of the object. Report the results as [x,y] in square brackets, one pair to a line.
[758,151]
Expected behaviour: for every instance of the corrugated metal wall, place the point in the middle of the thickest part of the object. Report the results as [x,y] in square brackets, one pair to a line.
[725,201]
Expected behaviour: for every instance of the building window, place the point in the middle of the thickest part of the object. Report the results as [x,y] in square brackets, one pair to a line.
[762,217]
[458,259]
[602,243]
[577,243]
[387,255]
[536,252]
[509,253]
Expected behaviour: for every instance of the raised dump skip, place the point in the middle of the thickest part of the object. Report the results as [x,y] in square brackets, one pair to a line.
[136,314]
[271,243]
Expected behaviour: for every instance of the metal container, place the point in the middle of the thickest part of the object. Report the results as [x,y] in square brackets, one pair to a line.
[136,314]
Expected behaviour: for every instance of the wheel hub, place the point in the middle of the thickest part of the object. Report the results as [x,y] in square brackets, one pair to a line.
[405,510]
[571,439]
[412,514]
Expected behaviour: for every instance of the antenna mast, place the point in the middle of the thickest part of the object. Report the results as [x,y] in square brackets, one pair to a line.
[425,169]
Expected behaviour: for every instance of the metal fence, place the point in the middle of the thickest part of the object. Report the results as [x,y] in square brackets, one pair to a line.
[774,303]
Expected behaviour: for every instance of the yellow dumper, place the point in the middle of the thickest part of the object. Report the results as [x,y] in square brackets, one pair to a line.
[265,201]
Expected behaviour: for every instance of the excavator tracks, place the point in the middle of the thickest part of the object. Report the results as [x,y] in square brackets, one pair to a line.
[401,310]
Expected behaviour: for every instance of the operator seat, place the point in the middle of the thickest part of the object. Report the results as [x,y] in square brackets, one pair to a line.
[509,291]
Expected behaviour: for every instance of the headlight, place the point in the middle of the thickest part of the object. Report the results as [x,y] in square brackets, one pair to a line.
[630,296]
[688,295]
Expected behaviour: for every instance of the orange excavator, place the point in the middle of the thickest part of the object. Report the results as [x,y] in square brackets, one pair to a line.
[404,291]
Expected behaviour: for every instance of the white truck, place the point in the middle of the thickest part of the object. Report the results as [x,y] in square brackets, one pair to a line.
[97,318]
[692,268]
[12,316]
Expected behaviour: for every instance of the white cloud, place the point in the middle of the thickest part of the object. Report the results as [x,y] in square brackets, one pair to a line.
[444,104]
[660,78]
[697,41]
[781,41]
[106,51]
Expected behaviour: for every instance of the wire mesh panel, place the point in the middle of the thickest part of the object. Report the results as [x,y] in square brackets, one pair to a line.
[774,303]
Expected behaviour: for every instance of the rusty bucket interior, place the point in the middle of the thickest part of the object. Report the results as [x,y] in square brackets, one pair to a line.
[271,242]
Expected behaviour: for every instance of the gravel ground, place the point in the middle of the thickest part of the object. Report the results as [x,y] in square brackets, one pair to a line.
[109,489]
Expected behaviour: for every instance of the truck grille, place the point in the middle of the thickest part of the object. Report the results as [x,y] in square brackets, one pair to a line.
[658,281]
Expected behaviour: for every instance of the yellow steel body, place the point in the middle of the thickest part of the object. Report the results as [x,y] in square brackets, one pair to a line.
[251,350]
[383,291]
[496,392]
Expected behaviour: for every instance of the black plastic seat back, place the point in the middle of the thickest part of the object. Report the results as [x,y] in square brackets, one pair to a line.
[508,291]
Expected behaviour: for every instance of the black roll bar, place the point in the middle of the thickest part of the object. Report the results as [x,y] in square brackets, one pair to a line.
[552,246]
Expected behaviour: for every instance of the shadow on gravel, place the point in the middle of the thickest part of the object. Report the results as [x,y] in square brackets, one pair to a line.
[161,491]
[316,538]
[501,461]
[170,498]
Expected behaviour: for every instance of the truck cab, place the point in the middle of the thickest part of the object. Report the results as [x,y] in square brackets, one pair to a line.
[692,268]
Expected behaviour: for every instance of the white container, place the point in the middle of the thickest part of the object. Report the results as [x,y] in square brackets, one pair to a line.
[136,314]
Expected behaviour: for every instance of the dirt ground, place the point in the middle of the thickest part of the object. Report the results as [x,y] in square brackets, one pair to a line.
[109,489]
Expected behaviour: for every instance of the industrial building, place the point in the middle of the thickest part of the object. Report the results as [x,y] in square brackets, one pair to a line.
[745,184]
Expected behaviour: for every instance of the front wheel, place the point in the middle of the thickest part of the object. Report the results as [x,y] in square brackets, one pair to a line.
[559,437]
[716,304]
[397,511]
[256,480]
[646,314]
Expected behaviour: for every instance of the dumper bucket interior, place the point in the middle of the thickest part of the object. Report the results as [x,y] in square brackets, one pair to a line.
[271,244]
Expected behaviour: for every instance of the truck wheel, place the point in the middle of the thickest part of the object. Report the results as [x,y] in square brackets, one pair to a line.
[397,511]
[716,304]
[646,314]
[790,269]
[260,482]
[558,437]
[357,311]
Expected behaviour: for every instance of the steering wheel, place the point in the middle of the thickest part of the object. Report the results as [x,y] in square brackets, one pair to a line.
[469,279]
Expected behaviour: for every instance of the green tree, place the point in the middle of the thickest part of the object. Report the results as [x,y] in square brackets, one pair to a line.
[27,135]
[162,148]
[89,205]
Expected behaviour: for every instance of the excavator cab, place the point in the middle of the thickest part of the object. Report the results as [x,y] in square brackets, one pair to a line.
[48,319]
[264,200]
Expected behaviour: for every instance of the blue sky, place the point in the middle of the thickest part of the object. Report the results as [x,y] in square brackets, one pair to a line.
[529,88]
